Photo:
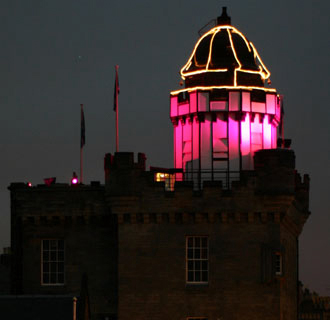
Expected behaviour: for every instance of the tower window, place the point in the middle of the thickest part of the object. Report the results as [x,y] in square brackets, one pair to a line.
[197,259]
[52,262]
[278,264]
[168,178]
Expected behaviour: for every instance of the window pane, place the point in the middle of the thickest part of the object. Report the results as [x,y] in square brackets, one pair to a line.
[190,253]
[190,242]
[197,253]
[53,267]
[190,265]
[197,242]
[45,256]
[53,256]
[204,253]
[205,265]
[197,265]
[60,267]
[190,276]
[197,276]
[45,278]
[53,278]
[45,267]
[204,242]
[53,244]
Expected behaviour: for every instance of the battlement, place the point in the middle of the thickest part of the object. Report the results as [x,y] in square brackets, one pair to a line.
[274,173]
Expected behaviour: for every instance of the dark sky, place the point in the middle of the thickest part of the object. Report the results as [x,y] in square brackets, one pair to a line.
[56,54]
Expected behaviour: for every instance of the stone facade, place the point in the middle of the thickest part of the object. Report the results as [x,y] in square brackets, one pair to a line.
[129,237]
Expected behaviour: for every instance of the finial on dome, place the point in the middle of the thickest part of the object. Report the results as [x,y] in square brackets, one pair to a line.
[224,19]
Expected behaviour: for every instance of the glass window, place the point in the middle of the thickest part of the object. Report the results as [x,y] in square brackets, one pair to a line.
[197,260]
[52,262]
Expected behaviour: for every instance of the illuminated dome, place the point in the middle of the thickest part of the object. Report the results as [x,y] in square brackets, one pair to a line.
[224,57]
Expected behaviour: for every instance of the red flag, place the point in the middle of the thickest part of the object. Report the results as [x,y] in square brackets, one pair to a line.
[116,91]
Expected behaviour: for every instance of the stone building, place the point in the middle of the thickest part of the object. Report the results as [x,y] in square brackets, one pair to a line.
[216,237]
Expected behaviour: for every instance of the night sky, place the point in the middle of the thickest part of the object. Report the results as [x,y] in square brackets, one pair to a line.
[57,54]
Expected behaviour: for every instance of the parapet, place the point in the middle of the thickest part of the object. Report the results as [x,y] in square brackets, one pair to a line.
[275,171]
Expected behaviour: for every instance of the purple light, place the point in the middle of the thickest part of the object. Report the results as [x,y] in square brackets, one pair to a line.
[74,180]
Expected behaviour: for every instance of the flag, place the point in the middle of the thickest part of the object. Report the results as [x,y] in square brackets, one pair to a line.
[82,127]
[116,91]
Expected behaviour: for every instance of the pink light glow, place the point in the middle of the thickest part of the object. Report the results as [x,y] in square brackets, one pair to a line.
[203,101]
[246,101]
[178,145]
[274,136]
[193,102]
[195,143]
[246,142]
[174,106]
[183,108]
[258,107]
[267,133]
[74,181]
[234,101]
[270,103]
[186,150]
[256,134]
[206,142]
[29,184]
[233,138]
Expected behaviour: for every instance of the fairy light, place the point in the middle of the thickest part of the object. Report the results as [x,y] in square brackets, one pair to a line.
[260,61]
[203,88]
[263,71]
[243,36]
[210,51]
[234,52]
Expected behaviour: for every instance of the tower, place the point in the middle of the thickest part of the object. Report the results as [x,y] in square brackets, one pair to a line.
[225,112]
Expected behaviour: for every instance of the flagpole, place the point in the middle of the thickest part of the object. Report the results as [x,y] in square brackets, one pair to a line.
[81,142]
[117,129]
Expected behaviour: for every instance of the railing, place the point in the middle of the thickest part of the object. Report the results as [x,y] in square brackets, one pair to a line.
[199,177]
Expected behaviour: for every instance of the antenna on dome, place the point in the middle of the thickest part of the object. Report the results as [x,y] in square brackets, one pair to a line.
[224,19]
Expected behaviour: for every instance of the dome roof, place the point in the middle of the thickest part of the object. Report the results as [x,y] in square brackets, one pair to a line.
[224,57]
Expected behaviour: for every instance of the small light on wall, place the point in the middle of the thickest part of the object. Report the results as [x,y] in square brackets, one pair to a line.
[29,184]
[74,179]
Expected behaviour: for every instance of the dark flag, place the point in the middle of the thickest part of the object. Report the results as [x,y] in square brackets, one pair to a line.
[82,128]
[116,91]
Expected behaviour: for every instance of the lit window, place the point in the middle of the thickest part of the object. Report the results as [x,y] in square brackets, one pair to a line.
[278,264]
[168,178]
[197,260]
[52,262]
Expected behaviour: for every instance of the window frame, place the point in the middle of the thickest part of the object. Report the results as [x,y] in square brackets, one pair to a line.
[194,260]
[57,261]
